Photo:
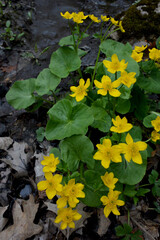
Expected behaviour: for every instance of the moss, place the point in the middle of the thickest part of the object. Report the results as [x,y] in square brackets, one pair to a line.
[137,25]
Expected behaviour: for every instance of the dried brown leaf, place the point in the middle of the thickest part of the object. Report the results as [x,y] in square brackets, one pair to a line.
[23,226]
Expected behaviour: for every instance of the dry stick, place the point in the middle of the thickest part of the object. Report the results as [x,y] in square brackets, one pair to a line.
[143,229]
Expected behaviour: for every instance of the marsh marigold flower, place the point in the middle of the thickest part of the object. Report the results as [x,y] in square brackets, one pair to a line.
[109,180]
[106,85]
[140,49]
[121,27]
[137,56]
[132,149]
[81,91]
[70,193]
[94,18]
[104,18]
[67,216]
[155,136]
[156,123]
[107,153]
[120,125]
[127,78]
[67,15]
[115,65]
[111,202]
[51,184]
[113,21]
[50,163]
[154,54]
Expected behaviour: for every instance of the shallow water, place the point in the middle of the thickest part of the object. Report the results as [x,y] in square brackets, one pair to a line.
[48,26]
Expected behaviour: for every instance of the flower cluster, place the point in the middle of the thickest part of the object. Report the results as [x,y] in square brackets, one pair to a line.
[69,193]
[137,53]
[155,135]
[79,17]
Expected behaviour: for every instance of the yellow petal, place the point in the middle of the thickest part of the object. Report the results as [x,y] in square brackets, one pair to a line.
[87,83]
[107,211]
[115,211]
[129,139]
[76,216]
[114,93]
[107,143]
[141,145]
[42,185]
[103,92]
[81,82]
[98,84]
[63,225]
[105,163]
[61,202]
[71,225]
[48,176]
[120,202]
[50,192]
[137,158]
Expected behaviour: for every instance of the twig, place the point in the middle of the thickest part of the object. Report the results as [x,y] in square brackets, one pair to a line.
[143,229]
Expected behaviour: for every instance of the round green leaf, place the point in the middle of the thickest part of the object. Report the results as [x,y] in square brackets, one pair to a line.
[67,120]
[46,81]
[147,120]
[64,61]
[102,120]
[76,149]
[20,95]
[151,83]
[129,172]
[123,106]
[92,199]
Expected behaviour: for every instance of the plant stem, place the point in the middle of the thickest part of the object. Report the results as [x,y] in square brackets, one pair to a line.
[148,140]
[95,67]
[90,98]
[145,185]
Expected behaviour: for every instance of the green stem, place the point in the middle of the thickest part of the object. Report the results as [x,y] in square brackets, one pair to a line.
[45,100]
[145,185]
[110,33]
[95,67]
[109,104]
[148,140]
[90,98]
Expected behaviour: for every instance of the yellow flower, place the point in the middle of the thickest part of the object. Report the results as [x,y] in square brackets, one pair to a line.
[111,202]
[113,21]
[107,153]
[109,180]
[137,56]
[70,193]
[115,65]
[51,184]
[121,27]
[154,54]
[50,163]
[81,14]
[81,91]
[67,216]
[77,18]
[127,78]
[104,18]
[106,85]
[94,18]
[140,49]
[155,136]
[131,149]
[156,123]
[67,15]
[120,125]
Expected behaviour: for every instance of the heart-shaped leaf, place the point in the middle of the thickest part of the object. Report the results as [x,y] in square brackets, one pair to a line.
[67,120]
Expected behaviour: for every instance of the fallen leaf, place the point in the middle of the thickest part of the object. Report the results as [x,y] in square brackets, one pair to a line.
[103,222]
[3,220]
[8,69]
[23,226]
[5,142]
[17,157]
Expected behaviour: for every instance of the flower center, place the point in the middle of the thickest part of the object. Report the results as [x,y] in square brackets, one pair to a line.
[81,90]
[68,219]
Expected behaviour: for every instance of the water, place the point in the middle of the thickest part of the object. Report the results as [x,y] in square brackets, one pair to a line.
[48,26]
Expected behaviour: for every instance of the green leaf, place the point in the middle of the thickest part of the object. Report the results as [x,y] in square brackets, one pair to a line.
[67,120]
[147,120]
[136,133]
[76,149]
[92,199]
[20,95]
[150,83]
[130,190]
[123,230]
[125,92]
[156,189]
[153,177]
[56,152]
[123,106]
[93,179]
[102,120]
[142,192]
[46,81]
[158,42]
[68,40]
[110,47]
[129,172]
[40,134]
[139,103]
[64,61]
